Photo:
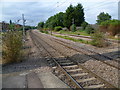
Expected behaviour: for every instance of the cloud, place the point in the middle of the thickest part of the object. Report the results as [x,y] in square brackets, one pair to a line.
[40,10]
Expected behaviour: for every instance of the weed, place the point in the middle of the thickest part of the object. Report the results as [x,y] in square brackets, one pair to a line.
[12,45]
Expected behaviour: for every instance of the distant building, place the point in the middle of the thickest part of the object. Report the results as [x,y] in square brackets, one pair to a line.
[5,26]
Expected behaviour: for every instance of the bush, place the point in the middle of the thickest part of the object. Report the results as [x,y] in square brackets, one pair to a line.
[12,45]
[44,31]
[98,39]
[73,28]
[58,28]
[89,29]
[84,25]
[110,26]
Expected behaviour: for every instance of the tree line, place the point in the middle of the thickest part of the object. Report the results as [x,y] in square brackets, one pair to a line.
[74,17]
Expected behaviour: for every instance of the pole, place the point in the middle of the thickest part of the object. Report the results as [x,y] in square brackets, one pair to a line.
[23,26]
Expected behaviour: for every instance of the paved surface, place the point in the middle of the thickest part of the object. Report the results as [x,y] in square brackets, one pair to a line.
[33,80]
[48,80]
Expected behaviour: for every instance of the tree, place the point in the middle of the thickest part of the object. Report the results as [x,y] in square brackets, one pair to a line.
[68,16]
[78,15]
[11,25]
[103,17]
[74,15]
[40,25]
[59,19]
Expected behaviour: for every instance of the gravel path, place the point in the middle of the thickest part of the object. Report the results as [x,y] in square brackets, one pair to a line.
[103,70]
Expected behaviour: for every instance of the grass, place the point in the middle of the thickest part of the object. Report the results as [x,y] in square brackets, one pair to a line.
[72,39]
[44,31]
[78,32]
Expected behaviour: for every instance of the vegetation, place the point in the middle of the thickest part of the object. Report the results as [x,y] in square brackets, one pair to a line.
[110,26]
[89,29]
[72,39]
[78,32]
[103,17]
[58,28]
[12,45]
[98,39]
[53,21]
[40,25]
[44,31]
[74,14]
[73,28]
[84,25]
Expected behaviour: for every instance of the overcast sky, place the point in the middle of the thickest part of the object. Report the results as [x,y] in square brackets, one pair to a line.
[40,10]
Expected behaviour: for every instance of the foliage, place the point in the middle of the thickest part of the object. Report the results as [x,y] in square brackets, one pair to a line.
[84,25]
[73,28]
[74,14]
[79,15]
[110,26]
[58,28]
[40,25]
[44,31]
[89,29]
[12,45]
[73,39]
[98,39]
[66,19]
[11,25]
[78,32]
[56,20]
[103,17]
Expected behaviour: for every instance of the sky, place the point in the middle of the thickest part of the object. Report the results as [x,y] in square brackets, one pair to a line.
[36,11]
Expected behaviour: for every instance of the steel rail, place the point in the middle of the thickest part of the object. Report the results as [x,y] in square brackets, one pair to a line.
[57,40]
[64,71]
[81,66]
[89,37]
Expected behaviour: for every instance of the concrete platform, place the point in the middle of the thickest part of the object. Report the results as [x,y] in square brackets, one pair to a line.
[33,80]
[51,81]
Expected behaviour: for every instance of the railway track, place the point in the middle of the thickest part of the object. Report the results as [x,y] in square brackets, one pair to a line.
[79,76]
[87,52]
[89,37]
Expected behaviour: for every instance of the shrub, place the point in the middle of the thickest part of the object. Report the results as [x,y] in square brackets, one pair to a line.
[110,26]
[73,28]
[12,45]
[58,28]
[84,25]
[89,29]
[98,39]
[44,31]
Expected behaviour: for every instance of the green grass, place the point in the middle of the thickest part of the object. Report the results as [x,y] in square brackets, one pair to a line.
[72,39]
[44,31]
[79,32]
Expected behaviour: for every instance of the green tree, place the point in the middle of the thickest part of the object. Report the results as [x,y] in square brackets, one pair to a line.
[40,25]
[68,17]
[103,17]
[78,15]
[74,14]
[59,19]
[11,25]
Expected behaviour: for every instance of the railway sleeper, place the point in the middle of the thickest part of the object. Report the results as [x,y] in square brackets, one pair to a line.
[95,86]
